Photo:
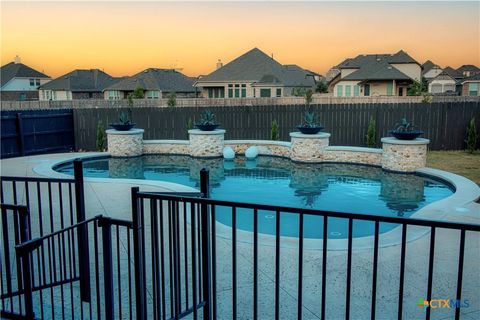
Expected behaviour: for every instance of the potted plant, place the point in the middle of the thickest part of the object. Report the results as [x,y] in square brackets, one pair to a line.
[207,121]
[309,125]
[406,131]
[124,123]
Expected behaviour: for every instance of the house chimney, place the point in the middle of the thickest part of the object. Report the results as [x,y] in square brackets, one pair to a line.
[17,59]
[219,64]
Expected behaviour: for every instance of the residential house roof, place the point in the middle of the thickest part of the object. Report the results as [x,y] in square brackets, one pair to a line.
[429,65]
[453,73]
[92,80]
[364,59]
[255,65]
[168,80]
[377,70]
[468,67]
[18,70]
[474,78]
[444,75]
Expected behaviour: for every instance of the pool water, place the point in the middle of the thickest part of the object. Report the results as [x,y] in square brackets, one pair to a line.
[278,181]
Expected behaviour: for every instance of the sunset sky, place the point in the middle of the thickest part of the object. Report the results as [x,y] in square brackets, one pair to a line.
[123,38]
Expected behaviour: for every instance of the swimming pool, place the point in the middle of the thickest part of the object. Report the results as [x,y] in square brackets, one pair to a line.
[278,181]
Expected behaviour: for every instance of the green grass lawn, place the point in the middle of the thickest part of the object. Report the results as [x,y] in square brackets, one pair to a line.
[459,162]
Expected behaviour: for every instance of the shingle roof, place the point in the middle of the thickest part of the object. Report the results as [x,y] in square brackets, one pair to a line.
[255,65]
[468,67]
[377,70]
[93,80]
[167,80]
[363,59]
[453,73]
[475,78]
[428,65]
[18,70]
[443,76]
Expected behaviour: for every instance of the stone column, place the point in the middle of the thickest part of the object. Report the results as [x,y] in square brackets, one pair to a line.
[125,143]
[404,155]
[206,144]
[308,147]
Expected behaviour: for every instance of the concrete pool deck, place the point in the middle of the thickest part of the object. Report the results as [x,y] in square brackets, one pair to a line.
[111,197]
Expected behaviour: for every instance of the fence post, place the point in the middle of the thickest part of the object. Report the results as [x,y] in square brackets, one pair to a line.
[26,263]
[82,235]
[21,142]
[205,231]
[107,267]
[138,253]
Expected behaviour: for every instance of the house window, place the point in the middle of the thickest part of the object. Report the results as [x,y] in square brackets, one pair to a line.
[37,82]
[54,95]
[32,82]
[23,96]
[113,95]
[436,88]
[216,92]
[153,94]
[69,95]
[244,90]
[473,89]
[265,93]
[230,90]
[389,89]
[339,90]
[48,95]
[348,91]
[448,87]
[356,91]
[237,91]
[279,92]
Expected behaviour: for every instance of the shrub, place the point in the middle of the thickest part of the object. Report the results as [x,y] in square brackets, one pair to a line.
[274,134]
[321,87]
[189,124]
[472,135]
[371,132]
[427,98]
[101,139]
[138,93]
[172,99]
[308,97]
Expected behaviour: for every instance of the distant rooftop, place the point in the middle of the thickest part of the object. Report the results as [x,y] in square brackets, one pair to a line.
[79,80]
[17,69]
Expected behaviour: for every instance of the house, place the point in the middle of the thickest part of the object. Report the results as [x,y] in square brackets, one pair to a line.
[76,85]
[376,75]
[156,83]
[469,70]
[430,70]
[471,86]
[447,82]
[20,82]
[254,74]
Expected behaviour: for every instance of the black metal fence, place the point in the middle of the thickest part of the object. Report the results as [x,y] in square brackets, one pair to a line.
[444,123]
[169,262]
[36,131]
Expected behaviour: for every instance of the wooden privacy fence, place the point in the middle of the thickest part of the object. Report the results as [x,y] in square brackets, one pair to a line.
[444,123]
[32,132]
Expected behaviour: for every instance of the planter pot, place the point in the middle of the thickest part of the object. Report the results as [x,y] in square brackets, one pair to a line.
[122,127]
[310,130]
[207,127]
[407,135]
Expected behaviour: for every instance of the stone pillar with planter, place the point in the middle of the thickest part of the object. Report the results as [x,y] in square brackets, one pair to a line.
[404,155]
[125,143]
[308,147]
[206,144]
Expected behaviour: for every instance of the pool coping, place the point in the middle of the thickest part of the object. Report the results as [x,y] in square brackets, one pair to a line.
[461,203]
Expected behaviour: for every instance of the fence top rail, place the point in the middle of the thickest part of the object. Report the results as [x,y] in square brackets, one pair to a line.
[34,243]
[15,207]
[36,179]
[329,214]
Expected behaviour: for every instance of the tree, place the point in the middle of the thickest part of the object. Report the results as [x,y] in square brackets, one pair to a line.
[101,140]
[321,87]
[308,97]
[371,133]
[298,92]
[472,135]
[172,99]
[418,88]
[274,134]
[138,93]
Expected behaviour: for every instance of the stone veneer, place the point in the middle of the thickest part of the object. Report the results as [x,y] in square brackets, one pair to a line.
[404,155]
[265,147]
[308,147]
[166,147]
[206,143]
[125,143]
[370,156]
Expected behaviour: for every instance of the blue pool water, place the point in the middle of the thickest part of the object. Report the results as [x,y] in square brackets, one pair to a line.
[278,181]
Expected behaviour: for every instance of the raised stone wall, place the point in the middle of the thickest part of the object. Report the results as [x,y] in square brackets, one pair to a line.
[166,147]
[359,155]
[308,147]
[206,143]
[125,143]
[265,148]
[404,155]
